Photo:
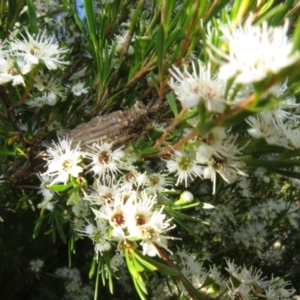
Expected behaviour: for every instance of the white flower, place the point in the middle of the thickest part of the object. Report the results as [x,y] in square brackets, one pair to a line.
[45,99]
[269,125]
[117,214]
[46,83]
[78,89]
[36,265]
[38,101]
[222,160]
[278,285]
[156,182]
[199,86]
[78,74]
[46,204]
[133,179]
[39,49]
[243,291]
[105,161]
[121,40]
[44,190]
[153,233]
[185,166]
[216,141]
[57,127]
[99,235]
[102,195]
[146,224]
[9,71]
[62,161]
[140,214]
[117,260]
[280,91]
[255,51]
[45,7]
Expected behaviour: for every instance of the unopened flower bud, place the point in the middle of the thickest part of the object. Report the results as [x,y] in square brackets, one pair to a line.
[185,198]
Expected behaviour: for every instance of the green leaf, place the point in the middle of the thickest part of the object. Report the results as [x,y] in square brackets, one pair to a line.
[296,37]
[138,267]
[97,282]
[90,17]
[13,153]
[59,187]
[14,8]
[37,227]
[290,174]
[235,119]
[32,17]
[143,146]
[139,289]
[173,37]
[110,283]
[181,216]
[92,267]
[146,264]
[281,13]
[134,273]
[183,224]
[206,127]
[160,48]
[154,81]
[172,102]
[160,267]
[58,223]
[271,15]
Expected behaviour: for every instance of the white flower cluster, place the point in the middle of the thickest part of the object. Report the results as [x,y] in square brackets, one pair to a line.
[75,290]
[19,57]
[244,283]
[36,265]
[278,126]
[255,51]
[264,216]
[217,154]
[251,229]
[126,208]
[199,87]
[251,283]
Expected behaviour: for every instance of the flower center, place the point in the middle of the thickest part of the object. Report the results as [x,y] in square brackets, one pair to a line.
[117,219]
[148,232]
[217,163]
[130,176]
[67,165]
[104,157]
[108,197]
[184,163]
[154,180]
[140,219]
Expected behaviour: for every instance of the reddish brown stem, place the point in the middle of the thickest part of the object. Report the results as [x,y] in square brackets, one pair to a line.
[175,122]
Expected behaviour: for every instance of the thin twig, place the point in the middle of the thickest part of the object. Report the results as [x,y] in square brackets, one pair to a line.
[175,122]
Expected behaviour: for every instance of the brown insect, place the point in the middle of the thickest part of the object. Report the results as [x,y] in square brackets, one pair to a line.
[117,127]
